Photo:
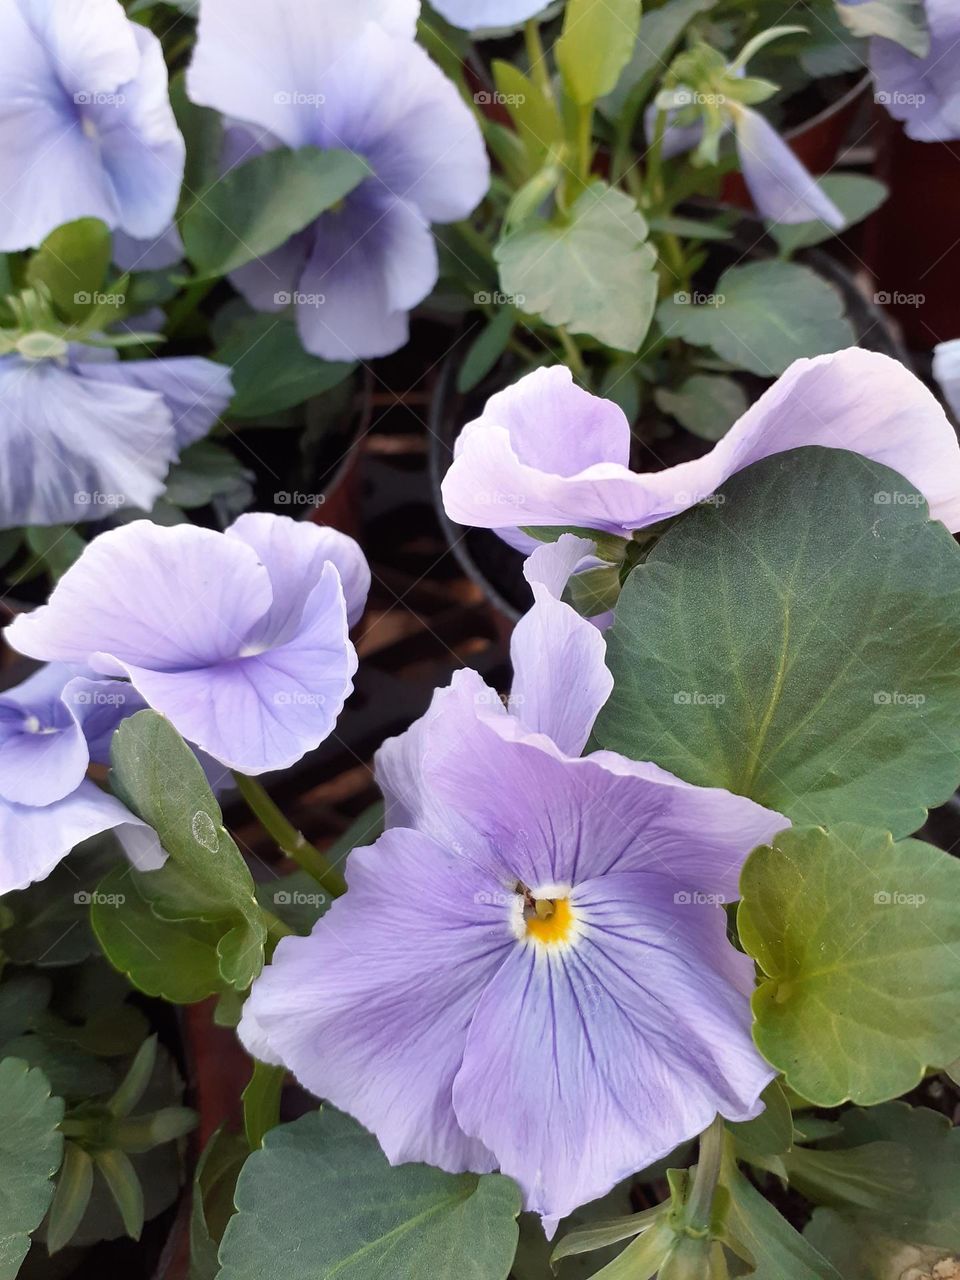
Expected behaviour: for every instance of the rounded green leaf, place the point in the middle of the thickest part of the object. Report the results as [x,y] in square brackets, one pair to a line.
[320,1200]
[858,939]
[761,317]
[797,640]
[31,1148]
[595,273]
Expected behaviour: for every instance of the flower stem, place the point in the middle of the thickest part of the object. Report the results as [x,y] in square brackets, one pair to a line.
[699,1209]
[292,842]
[573,356]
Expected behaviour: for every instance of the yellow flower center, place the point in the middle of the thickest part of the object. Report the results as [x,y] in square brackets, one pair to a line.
[550,920]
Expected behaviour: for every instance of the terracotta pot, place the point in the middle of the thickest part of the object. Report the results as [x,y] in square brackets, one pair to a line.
[912,241]
[816,142]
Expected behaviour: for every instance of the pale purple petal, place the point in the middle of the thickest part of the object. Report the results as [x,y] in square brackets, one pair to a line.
[388,102]
[856,400]
[196,391]
[43,755]
[190,617]
[294,553]
[560,677]
[140,146]
[149,596]
[923,92]
[265,64]
[782,189]
[371,262]
[73,446]
[375,1019]
[34,840]
[270,283]
[99,706]
[86,127]
[590,1059]
[475,15]
[946,370]
[264,710]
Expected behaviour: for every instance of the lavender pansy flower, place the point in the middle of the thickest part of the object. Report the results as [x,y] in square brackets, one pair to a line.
[86,126]
[154,254]
[781,187]
[923,92]
[530,968]
[546,453]
[300,73]
[482,15]
[239,638]
[82,432]
[48,725]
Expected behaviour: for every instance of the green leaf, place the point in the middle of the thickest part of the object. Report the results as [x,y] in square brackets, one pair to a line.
[260,204]
[903,21]
[858,939]
[202,130]
[205,876]
[71,1198]
[594,274]
[771,1133]
[595,45]
[121,1178]
[212,1204]
[486,349]
[762,317]
[206,471]
[534,115]
[271,370]
[73,262]
[175,960]
[706,404]
[660,33]
[757,1233]
[57,547]
[406,1222]
[23,999]
[31,1148]
[261,1102]
[797,640]
[71,1072]
[872,1177]
[296,898]
[920,1220]
[855,195]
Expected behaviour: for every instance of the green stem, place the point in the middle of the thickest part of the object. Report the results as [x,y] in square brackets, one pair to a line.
[187,303]
[292,842]
[584,141]
[699,1208]
[572,353]
[539,71]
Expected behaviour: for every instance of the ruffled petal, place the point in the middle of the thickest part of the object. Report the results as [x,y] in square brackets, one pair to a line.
[43,755]
[152,254]
[90,44]
[588,1060]
[560,676]
[264,711]
[371,262]
[388,102]
[923,92]
[478,781]
[196,391]
[266,64]
[149,596]
[782,189]
[375,1018]
[855,400]
[73,445]
[99,706]
[34,840]
[294,553]
[140,146]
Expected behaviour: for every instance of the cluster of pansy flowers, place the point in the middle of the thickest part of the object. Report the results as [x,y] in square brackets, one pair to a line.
[529,970]
[87,130]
